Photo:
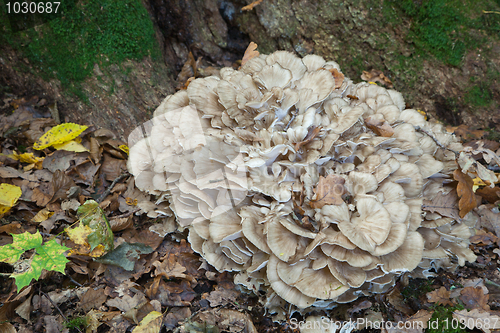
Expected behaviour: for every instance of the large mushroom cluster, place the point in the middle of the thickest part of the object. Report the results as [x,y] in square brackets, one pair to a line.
[310,186]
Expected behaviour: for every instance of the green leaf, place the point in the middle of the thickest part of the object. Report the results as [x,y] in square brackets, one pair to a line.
[49,256]
[11,253]
[123,253]
[93,216]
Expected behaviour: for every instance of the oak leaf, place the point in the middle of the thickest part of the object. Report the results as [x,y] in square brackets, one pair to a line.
[329,191]
[465,192]
[474,298]
[478,319]
[440,296]
[445,205]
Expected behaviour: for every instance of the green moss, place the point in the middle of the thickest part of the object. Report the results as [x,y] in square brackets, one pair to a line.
[442,320]
[92,31]
[76,322]
[416,288]
[446,28]
[479,95]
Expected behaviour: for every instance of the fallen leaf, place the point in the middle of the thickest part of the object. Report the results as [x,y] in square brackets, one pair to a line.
[8,197]
[483,238]
[445,205]
[478,319]
[150,324]
[126,302]
[422,316]
[311,134]
[252,5]
[250,53]
[440,296]
[59,134]
[222,297]
[122,255]
[71,145]
[381,128]
[466,134]
[170,268]
[376,75]
[329,191]
[465,193]
[92,299]
[338,77]
[474,298]
[24,309]
[42,215]
[7,328]
[489,194]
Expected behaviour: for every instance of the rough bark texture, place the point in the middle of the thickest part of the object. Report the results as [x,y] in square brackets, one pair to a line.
[358,34]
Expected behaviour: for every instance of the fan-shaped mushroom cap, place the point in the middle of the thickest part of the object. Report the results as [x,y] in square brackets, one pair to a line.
[277,176]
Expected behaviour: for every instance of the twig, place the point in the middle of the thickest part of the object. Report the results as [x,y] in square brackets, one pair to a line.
[418,128]
[492,283]
[58,309]
[490,12]
[127,214]
[110,187]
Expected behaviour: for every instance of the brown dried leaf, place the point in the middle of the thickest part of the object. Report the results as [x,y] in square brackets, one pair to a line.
[92,299]
[476,318]
[60,183]
[474,298]
[252,5]
[378,127]
[465,133]
[121,223]
[376,75]
[338,76]
[311,134]
[422,316]
[251,52]
[489,194]
[465,192]
[483,238]
[445,205]
[440,296]
[329,191]
[170,268]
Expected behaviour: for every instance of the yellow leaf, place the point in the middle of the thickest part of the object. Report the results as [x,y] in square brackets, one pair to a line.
[42,215]
[71,146]
[59,134]
[26,157]
[79,234]
[124,148]
[150,324]
[8,197]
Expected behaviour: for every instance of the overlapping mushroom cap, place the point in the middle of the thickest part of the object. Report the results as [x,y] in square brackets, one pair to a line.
[308,185]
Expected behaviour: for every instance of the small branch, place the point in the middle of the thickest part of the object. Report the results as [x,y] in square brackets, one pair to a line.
[110,187]
[490,12]
[419,129]
[127,214]
[58,309]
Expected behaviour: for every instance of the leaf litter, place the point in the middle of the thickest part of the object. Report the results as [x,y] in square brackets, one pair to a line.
[103,253]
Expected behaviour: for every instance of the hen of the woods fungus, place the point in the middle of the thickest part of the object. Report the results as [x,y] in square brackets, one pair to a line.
[307,185]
